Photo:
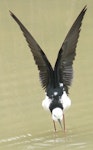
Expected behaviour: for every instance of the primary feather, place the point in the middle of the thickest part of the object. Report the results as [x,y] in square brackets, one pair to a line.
[45,68]
[67,52]
[63,71]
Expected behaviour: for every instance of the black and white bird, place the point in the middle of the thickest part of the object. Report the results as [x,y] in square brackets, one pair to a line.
[56,81]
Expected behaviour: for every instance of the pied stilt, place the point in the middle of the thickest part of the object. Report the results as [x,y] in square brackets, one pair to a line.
[56,81]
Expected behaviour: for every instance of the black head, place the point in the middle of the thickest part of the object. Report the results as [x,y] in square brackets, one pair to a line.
[55,104]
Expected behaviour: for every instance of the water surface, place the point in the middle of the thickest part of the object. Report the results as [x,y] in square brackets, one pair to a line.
[24,125]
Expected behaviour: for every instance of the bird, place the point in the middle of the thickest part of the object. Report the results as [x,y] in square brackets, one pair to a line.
[56,80]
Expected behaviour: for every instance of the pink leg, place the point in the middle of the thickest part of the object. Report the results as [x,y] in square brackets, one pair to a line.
[64,122]
[54,125]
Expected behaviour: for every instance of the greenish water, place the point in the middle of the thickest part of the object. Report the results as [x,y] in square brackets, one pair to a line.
[24,125]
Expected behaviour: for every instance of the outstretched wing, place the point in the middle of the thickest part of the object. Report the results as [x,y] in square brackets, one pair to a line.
[66,55]
[45,68]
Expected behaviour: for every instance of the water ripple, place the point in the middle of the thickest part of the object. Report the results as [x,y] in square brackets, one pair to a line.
[43,140]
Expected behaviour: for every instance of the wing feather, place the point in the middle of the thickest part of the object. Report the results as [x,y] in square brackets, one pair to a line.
[44,67]
[66,55]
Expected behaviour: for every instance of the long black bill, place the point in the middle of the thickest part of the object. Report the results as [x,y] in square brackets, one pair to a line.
[60,123]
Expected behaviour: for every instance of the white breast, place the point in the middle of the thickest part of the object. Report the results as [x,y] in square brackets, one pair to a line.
[46,103]
[65,100]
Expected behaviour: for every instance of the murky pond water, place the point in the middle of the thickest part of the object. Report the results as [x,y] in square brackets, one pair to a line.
[24,125]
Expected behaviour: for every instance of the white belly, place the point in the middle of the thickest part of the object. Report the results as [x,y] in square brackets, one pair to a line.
[46,103]
[65,100]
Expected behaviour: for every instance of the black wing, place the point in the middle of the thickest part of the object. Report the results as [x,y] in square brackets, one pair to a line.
[45,68]
[66,55]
